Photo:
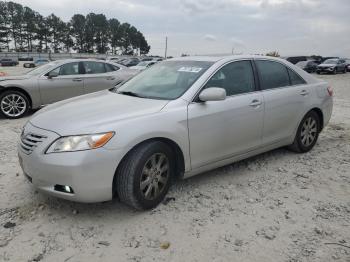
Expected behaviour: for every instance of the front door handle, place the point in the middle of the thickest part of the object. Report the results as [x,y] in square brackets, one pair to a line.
[110,78]
[255,103]
[77,79]
[304,93]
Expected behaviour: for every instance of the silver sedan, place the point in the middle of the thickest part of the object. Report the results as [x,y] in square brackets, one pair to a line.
[56,81]
[177,119]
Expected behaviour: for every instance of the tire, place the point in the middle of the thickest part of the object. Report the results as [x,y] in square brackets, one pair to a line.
[20,107]
[345,70]
[318,72]
[302,144]
[138,176]
[335,71]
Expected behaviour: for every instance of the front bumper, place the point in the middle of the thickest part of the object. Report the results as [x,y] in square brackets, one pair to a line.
[325,69]
[89,173]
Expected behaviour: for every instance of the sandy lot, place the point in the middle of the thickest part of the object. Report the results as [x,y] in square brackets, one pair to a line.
[277,206]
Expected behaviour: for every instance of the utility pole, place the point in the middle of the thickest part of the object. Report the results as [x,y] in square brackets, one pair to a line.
[166,47]
[233,49]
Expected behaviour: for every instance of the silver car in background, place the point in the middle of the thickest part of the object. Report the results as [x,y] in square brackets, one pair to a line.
[174,120]
[57,81]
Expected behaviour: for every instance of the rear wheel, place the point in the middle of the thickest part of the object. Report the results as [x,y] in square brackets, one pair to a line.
[144,177]
[307,133]
[13,104]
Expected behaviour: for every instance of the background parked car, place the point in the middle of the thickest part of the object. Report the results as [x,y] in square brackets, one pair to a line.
[295,59]
[143,65]
[25,58]
[8,62]
[130,62]
[37,62]
[113,59]
[332,66]
[308,66]
[146,59]
[347,61]
[56,81]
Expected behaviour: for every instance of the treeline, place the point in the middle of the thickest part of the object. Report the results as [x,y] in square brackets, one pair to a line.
[23,29]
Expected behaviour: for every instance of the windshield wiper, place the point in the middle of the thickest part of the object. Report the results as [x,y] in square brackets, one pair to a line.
[129,93]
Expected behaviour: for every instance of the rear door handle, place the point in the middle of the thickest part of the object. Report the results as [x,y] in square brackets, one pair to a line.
[255,103]
[77,79]
[304,93]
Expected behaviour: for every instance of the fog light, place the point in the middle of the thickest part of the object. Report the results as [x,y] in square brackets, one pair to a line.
[64,189]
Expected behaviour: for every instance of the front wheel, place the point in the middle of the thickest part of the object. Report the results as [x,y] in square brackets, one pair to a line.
[13,104]
[144,177]
[307,133]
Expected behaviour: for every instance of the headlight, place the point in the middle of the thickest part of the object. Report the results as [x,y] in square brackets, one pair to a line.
[78,143]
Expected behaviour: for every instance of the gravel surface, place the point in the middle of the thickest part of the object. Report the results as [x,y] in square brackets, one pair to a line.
[278,206]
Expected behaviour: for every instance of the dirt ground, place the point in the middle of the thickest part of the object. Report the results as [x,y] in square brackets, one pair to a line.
[278,206]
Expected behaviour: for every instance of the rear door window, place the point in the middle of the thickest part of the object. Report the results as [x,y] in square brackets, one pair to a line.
[68,69]
[272,74]
[92,67]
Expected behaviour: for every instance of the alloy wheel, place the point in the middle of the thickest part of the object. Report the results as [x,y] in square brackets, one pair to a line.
[155,176]
[308,132]
[13,105]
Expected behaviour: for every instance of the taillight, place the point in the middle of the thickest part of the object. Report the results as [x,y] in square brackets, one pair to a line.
[330,91]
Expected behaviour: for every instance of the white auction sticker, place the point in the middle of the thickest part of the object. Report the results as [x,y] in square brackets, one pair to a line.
[190,69]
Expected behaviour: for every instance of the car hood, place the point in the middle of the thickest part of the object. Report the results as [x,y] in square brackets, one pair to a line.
[96,112]
[326,65]
[137,67]
[22,77]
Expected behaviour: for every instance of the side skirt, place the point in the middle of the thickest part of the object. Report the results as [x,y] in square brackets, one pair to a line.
[233,159]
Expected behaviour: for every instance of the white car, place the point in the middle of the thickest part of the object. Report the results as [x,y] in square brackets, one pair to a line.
[176,119]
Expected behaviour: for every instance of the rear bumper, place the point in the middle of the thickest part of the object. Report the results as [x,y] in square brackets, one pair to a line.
[327,110]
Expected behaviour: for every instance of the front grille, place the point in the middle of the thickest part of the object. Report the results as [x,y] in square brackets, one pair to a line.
[31,141]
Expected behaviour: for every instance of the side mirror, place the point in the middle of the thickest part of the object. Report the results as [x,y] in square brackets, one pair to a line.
[52,74]
[212,94]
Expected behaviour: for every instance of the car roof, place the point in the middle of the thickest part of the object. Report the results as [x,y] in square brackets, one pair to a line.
[229,57]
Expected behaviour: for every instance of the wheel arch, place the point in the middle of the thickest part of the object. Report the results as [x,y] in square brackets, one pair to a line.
[15,88]
[320,115]
[178,153]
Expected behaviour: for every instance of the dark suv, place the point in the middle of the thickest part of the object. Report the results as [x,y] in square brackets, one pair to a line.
[8,62]
[308,66]
[332,66]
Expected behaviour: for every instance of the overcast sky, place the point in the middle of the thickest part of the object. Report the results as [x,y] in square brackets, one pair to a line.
[292,27]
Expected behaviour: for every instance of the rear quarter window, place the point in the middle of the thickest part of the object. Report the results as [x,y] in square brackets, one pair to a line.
[295,79]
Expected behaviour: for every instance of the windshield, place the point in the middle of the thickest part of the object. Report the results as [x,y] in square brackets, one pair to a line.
[41,69]
[302,63]
[330,61]
[167,80]
[142,64]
